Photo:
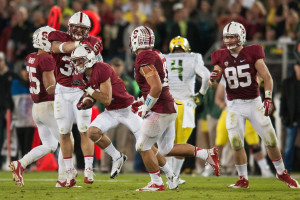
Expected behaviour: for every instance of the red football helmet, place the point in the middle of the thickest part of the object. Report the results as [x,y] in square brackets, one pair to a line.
[237,30]
[79,26]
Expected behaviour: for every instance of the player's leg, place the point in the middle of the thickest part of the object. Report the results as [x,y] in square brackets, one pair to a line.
[235,125]
[151,130]
[83,119]
[63,113]
[98,127]
[264,128]
[49,142]
[252,140]
[134,122]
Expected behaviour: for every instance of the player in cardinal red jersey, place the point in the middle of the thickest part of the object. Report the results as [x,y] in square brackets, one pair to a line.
[105,86]
[240,65]
[158,110]
[67,97]
[40,67]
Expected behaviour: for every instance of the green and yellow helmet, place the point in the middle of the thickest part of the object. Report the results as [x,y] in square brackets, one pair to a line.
[179,42]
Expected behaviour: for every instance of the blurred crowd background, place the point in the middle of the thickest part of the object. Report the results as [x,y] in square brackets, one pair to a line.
[274,24]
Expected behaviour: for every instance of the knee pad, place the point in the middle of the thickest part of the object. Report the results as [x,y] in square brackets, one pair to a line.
[52,146]
[270,138]
[255,148]
[235,139]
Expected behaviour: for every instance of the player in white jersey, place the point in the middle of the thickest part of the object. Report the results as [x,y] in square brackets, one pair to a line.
[183,66]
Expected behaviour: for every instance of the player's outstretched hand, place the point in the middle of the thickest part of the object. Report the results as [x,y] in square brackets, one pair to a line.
[215,75]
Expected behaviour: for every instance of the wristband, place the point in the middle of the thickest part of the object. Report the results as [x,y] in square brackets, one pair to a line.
[61,48]
[150,101]
[49,87]
[76,43]
[268,94]
[90,91]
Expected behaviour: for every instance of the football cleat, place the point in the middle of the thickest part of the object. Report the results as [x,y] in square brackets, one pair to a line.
[181,181]
[17,171]
[172,182]
[241,183]
[213,160]
[152,187]
[285,177]
[71,175]
[60,183]
[88,176]
[117,165]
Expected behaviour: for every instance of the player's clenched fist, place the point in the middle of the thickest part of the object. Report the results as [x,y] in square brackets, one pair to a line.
[268,104]
[215,75]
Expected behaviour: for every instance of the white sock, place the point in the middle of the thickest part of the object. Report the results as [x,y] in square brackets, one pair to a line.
[112,151]
[61,166]
[35,154]
[201,153]
[156,178]
[242,170]
[88,161]
[279,166]
[69,163]
[177,164]
[170,161]
[167,170]
[262,163]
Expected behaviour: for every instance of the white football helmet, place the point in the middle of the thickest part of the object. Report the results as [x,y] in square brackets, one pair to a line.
[77,20]
[40,38]
[85,52]
[141,37]
[237,30]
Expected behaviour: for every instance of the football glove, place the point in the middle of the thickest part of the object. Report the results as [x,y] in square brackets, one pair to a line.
[136,104]
[143,111]
[83,105]
[87,43]
[214,75]
[268,104]
[198,97]
[80,83]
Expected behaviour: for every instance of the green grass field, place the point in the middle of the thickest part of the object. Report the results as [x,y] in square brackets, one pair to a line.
[41,185]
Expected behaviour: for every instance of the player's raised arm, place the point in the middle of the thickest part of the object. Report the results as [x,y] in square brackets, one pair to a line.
[215,77]
[64,47]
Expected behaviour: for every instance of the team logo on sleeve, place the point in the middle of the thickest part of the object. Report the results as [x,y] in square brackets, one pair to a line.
[226,63]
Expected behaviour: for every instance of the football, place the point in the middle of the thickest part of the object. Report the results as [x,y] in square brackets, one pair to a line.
[86,102]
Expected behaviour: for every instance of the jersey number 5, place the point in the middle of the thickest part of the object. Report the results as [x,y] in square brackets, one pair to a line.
[36,89]
[233,74]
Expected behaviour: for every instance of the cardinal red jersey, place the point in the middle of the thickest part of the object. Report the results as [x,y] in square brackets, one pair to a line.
[36,65]
[120,97]
[239,72]
[165,102]
[64,69]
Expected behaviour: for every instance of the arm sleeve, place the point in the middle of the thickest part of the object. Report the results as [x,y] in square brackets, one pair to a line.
[203,72]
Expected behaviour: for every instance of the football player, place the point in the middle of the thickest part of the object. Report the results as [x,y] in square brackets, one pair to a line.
[106,87]
[159,110]
[239,65]
[183,66]
[251,136]
[40,67]
[66,97]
